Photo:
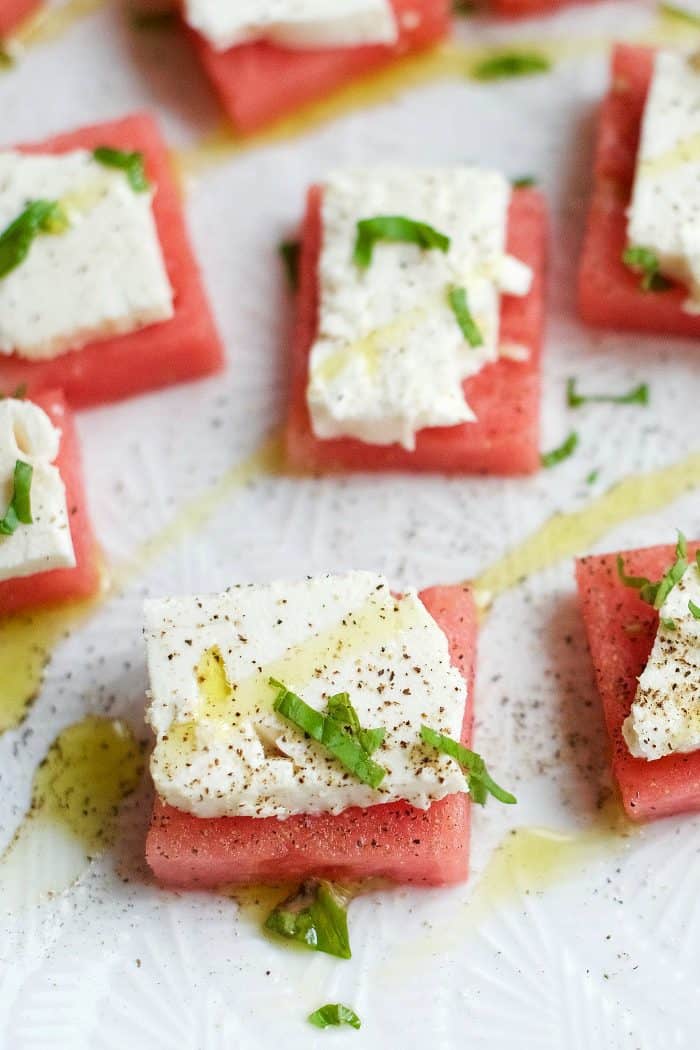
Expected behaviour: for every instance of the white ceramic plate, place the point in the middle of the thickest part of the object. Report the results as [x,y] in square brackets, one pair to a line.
[566,938]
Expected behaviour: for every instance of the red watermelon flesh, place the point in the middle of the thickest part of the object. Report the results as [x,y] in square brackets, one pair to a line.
[621,629]
[609,292]
[515,8]
[185,347]
[393,840]
[505,395]
[14,12]
[259,83]
[60,585]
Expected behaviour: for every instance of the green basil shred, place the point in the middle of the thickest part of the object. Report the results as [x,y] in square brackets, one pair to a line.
[19,510]
[511,64]
[394,228]
[334,1014]
[523,182]
[639,395]
[566,449]
[457,298]
[314,916]
[479,781]
[289,253]
[38,217]
[132,164]
[655,594]
[335,734]
[694,609]
[645,262]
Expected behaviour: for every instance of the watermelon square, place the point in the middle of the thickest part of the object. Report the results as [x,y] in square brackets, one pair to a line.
[609,292]
[505,395]
[185,347]
[621,629]
[523,8]
[259,83]
[84,579]
[393,840]
[14,12]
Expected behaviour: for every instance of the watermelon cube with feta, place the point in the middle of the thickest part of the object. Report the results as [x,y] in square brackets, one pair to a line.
[504,395]
[610,295]
[261,82]
[61,584]
[393,840]
[183,347]
[621,629]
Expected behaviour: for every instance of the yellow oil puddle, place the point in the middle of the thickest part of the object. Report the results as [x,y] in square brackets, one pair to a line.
[528,861]
[566,535]
[88,771]
[27,640]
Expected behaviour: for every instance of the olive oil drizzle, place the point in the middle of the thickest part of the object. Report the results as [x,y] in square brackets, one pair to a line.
[88,770]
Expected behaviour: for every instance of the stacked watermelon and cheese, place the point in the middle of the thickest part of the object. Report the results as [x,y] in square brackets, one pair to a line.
[47,550]
[639,269]
[419,324]
[291,723]
[106,301]
[641,609]
[267,60]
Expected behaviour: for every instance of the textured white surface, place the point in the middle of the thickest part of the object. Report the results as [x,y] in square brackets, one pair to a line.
[605,956]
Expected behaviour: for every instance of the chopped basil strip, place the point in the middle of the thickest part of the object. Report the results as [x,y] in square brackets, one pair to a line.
[334,1014]
[289,253]
[592,477]
[669,624]
[566,449]
[394,228]
[512,64]
[523,182]
[655,594]
[314,916]
[15,241]
[644,261]
[19,510]
[340,708]
[132,164]
[681,14]
[479,782]
[639,395]
[457,298]
[331,733]
[694,609]
[6,59]
[153,19]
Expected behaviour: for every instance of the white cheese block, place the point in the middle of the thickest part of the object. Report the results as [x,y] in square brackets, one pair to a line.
[390,358]
[665,715]
[293,23]
[102,276]
[665,208]
[221,749]
[27,433]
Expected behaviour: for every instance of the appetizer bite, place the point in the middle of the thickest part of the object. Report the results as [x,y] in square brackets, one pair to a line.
[47,550]
[313,729]
[641,609]
[100,294]
[640,269]
[13,13]
[419,326]
[267,58]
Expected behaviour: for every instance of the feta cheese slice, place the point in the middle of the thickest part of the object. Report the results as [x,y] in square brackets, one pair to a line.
[27,433]
[102,276]
[390,358]
[293,23]
[665,715]
[664,213]
[222,750]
